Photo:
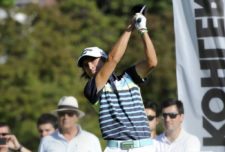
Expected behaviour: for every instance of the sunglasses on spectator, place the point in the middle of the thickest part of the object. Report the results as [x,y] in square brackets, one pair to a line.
[150,118]
[4,134]
[171,115]
[69,113]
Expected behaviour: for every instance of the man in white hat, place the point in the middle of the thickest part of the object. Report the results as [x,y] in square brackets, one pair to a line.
[69,137]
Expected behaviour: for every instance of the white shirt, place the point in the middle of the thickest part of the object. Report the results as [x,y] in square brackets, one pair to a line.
[82,142]
[185,142]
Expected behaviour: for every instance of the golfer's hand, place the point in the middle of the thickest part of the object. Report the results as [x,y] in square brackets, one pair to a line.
[140,22]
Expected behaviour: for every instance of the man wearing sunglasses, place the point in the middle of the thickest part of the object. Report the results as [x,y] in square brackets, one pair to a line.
[69,137]
[175,138]
[152,112]
[8,141]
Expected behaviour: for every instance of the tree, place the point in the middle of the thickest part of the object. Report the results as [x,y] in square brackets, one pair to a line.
[42,55]
[7,3]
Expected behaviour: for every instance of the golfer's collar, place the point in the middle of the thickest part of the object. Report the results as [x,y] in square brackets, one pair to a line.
[112,77]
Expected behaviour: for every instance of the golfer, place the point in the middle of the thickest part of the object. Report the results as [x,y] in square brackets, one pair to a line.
[122,119]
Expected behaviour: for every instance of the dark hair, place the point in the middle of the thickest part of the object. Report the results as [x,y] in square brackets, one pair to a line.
[170,102]
[152,105]
[4,124]
[84,74]
[48,118]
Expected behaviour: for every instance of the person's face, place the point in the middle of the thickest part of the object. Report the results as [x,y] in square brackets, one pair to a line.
[172,119]
[45,129]
[67,119]
[92,65]
[152,119]
[4,131]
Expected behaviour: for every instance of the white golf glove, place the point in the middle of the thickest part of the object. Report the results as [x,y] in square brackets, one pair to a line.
[140,23]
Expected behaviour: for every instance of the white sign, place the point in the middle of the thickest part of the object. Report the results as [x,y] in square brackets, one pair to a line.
[200,64]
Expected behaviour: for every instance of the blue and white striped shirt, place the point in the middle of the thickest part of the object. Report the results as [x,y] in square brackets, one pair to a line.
[121,111]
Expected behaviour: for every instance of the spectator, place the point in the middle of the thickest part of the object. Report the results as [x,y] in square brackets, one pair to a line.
[69,137]
[175,138]
[46,124]
[123,122]
[152,111]
[9,141]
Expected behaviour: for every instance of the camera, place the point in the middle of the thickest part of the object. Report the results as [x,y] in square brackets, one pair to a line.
[2,141]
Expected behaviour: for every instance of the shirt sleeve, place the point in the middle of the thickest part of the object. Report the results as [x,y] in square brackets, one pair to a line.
[134,75]
[90,91]
[96,145]
[193,144]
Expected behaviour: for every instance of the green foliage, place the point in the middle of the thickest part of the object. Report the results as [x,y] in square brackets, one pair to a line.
[123,7]
[42,55]
[7,3]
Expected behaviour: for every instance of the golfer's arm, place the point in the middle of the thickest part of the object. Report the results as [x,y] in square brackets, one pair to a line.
[144,67]
[114,57]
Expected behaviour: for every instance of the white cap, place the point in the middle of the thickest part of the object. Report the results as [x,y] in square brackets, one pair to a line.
[69,103]
[92,52]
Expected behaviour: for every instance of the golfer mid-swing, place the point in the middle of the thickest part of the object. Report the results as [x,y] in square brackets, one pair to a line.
[122,119]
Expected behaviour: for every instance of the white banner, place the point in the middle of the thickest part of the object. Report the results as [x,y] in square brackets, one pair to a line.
[200,63]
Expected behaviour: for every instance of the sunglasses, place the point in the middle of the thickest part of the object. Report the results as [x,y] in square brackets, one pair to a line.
[171,115]
[69,113]
[4,134]
[150,118]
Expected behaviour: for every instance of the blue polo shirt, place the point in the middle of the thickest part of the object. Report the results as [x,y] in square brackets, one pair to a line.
[121,110]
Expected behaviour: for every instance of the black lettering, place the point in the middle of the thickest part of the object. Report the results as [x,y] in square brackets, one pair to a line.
[209,53]
[210,30]
[214,80]
[217,138]
[207,98]
[212,12]
[208,9]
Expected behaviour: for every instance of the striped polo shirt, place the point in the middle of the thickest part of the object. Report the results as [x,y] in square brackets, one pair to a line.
[121,110]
